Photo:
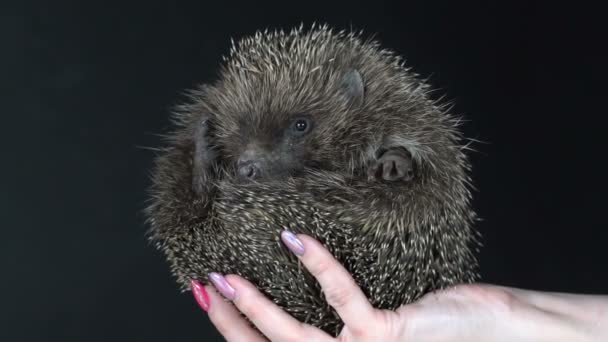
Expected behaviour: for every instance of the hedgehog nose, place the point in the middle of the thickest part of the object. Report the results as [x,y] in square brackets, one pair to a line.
[249,169]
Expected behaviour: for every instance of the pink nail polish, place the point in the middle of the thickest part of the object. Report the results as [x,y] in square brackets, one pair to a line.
[221,284]
[200,294]
[292,242]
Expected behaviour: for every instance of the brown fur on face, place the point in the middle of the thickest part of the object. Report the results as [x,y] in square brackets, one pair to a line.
[399,238]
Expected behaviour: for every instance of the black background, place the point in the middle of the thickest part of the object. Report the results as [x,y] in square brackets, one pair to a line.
[84,85]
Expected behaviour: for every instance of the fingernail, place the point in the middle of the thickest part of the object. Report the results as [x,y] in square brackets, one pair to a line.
[292,242]
[221,284]
[200,294]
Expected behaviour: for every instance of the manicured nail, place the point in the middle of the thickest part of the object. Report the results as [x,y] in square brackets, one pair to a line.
[200,294]
[292,242]
[222,285]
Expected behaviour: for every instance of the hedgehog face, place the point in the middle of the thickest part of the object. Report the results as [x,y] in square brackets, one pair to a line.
[274,149]
[258,137]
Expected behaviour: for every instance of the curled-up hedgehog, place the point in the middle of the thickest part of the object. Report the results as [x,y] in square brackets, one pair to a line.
[322,133]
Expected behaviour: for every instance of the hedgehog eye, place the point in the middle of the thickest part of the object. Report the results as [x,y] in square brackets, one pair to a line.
[301,126]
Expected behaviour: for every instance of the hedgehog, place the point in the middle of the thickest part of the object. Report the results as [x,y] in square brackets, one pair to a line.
[325,133]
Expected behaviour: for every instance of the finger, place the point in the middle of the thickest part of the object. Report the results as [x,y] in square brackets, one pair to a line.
[340,289]
[227,320]
[273,322]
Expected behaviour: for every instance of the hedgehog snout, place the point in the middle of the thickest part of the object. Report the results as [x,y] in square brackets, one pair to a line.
[249,169]
[250,163]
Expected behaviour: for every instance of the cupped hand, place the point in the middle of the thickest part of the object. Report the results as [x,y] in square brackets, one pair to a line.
[462,313]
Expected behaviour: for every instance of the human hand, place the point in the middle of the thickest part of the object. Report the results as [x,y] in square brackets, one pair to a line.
[462,313]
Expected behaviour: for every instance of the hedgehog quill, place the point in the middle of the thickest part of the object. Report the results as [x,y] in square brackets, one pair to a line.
[323,133]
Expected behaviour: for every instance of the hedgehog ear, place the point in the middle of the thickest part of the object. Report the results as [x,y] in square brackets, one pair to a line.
[352,87]
[203,156]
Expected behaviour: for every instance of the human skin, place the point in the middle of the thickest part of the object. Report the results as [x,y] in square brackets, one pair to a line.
[475,312]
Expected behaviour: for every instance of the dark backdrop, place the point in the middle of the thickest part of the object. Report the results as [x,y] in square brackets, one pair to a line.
[84,85]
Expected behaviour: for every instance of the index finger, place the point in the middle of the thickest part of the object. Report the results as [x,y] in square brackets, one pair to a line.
[340,289]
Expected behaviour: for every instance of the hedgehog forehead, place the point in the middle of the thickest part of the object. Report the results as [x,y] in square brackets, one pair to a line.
[284,89]
[265,126]
[270,101]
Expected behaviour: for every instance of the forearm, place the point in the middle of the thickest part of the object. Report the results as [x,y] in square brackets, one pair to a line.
[561,316]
